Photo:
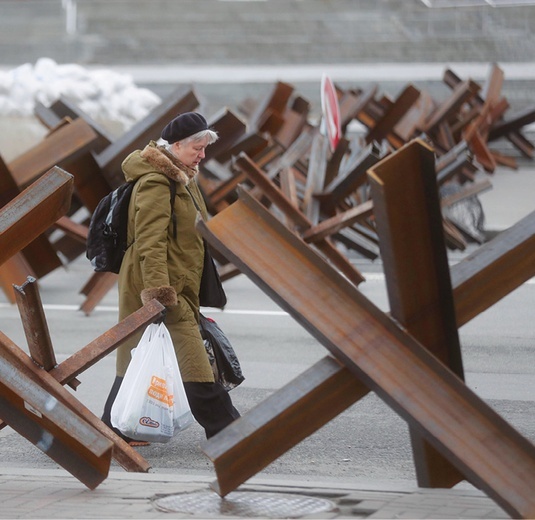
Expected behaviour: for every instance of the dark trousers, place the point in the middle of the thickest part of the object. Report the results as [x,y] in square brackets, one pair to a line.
[210,404]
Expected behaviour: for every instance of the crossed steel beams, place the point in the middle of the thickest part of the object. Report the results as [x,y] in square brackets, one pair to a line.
[373,353]
[32,400]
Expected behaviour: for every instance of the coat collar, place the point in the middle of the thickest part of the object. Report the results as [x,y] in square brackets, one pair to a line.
[163,160]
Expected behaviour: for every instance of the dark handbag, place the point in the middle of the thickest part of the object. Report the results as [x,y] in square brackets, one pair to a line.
[211,293]
[225,363]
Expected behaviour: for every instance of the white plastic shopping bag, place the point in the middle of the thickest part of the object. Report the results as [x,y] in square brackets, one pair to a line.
[151,404]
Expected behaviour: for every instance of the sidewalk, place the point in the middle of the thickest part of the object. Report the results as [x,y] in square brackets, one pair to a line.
[54,494]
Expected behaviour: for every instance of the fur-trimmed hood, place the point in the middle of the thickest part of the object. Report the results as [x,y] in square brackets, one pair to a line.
[154,158]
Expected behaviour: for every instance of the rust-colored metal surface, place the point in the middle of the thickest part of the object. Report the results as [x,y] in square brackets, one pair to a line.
[295,152]
[96,288]
[230,129]
[14,269]
[34,210]
[42,355]
[90,184]
[106,343]
[251,143]
[73,229]
[35,326]
[391,117]
[353,103]
[462,93]
[353,176]
[301,222]
[513,123]
[294,123]
[39,253]
[285,418]
[330,226]
[43,419]
[66,143]
[125,455]
[488,451]
[494,270]
[411,238]
[273,103]
[316,177]
[63,107]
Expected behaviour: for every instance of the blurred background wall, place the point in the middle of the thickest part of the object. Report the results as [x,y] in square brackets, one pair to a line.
[230,50]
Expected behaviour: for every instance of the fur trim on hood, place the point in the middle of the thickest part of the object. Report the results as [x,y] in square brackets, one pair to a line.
[165,294]
[163,160]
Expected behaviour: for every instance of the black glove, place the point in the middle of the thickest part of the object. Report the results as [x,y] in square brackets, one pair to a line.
[161,318]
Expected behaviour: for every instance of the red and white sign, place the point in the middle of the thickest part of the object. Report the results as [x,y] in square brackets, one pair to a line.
[331,112]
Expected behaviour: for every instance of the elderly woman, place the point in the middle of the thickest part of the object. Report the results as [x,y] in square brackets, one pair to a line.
[165,261]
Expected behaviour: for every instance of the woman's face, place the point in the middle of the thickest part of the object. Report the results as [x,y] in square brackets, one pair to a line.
[190,153]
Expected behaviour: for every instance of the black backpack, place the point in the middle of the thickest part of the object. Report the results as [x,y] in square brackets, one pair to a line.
[107,236]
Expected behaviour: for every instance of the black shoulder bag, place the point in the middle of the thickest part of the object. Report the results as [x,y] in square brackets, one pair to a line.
[211,293]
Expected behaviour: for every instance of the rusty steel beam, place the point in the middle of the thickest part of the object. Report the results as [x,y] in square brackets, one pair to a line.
[462,93]
[417,274]
[72,229]
[295,152]
[393,114]
[251,143]
[96,288]
[273,103]
[316,177]
[413,250]
[465,192]
[525,146]
[330,226]
[285,160]
[35,326]
[45,115]
[494,269]
[285,418]
[65,108]
[230,128]
[39,253]
[13,269]
[512,123]
[65,144]
[295,121]
[123,453]
[353,103]
[43,419]
[107,342]
[42,352]
[490,93]
[275,195]
[511,252]
[34,210]
[354,175]
[492,454]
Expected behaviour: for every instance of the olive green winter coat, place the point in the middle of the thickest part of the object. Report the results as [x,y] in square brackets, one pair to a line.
[156,265]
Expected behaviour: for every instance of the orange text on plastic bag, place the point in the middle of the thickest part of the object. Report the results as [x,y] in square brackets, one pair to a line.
[158,390]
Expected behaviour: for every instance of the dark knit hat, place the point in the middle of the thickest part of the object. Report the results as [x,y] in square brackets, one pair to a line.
[183,126]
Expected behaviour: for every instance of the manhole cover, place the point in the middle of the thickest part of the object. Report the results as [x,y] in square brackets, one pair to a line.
[244,504]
